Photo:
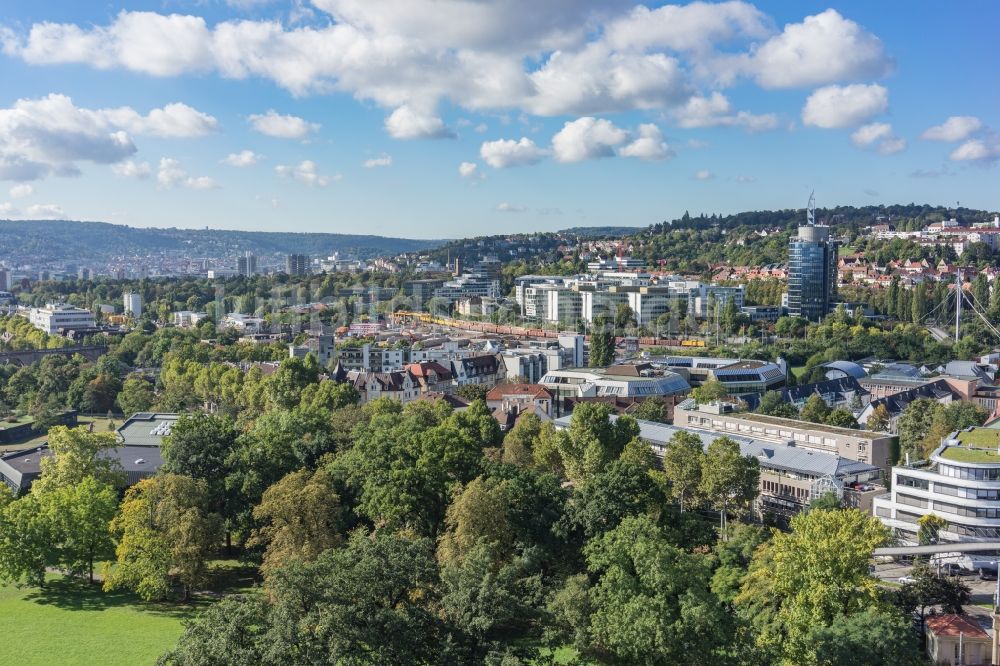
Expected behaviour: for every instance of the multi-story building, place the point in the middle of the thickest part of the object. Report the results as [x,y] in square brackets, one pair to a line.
[484,369]
[320,344]
[705,299]
[740,377]
[790,477]
[960,483]
[56,316]
[297,264]
[246,265]
[133,304]
[420,291]
[187,318]
[469,284]
[812,273]
[621,381]
[876,448]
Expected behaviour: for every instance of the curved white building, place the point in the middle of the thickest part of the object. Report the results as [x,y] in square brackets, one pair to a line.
[960,483]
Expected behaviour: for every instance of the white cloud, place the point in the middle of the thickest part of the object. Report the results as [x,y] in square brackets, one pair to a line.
[307,173]
[704,174]
[132,169]
[686,27]
[406,123]
[45,212]
[587,138]
[175,120]
[821,49]
[716,111]
[170,175]
[244,158]
[382,160]
[649,145]
[745,179]
[469,171]
[844,106]
[51,135]
[956,128]
[278,126]
[505,153]
[977,150]
[511,208]
[21,191]
[9,210]
[879,136]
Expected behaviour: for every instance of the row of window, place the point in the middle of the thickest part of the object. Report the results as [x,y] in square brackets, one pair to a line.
[971,473]
[955,528]
[970,511]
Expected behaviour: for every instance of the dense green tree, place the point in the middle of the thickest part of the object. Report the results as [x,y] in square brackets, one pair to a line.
[76,455]
[164,530]
[231,632]
[878,420]
[77,518]
[651,409]
[519,443]
[298,518]
[773,403]
[136,396]
[729,480]
[815,410]
[683,462]
[621,490]
[802,581]
[593,440]
[602,343]
[651,602]
[711,391]
[841,418]
[871,637]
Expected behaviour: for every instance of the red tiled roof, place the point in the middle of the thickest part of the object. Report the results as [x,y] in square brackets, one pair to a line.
[425,367]
[954,625]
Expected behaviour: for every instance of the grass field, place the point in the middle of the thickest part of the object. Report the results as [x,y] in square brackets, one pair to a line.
[69,622]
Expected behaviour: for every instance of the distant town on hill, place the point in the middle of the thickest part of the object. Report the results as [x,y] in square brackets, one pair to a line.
[96,242]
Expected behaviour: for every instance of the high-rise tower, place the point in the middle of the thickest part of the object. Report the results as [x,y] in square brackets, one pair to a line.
[812,269]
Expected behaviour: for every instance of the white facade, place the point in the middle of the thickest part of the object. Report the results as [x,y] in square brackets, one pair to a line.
[133,304]
[187,318]
[965,494]
[60,315]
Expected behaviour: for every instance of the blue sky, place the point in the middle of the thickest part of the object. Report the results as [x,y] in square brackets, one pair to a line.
[445,118]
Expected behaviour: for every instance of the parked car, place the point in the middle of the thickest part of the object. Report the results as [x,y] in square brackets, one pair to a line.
[953,569]
[987,574]
[906,580]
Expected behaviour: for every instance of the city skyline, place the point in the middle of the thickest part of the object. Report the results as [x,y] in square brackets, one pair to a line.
[464,118]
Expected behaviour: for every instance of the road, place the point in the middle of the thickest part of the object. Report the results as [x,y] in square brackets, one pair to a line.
[983,591]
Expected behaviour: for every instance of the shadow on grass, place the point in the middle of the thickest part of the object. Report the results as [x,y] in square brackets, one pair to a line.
[77,595]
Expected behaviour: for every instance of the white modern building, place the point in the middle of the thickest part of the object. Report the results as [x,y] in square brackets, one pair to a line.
[617,381]
[133,304]
[187,318]
[960,483]
[55,316]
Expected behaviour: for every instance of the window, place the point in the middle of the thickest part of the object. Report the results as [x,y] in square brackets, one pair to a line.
[912,482]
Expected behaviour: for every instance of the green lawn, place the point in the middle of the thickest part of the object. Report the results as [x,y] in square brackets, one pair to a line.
[963,454]
[70,623]
[100,425]
[980,437]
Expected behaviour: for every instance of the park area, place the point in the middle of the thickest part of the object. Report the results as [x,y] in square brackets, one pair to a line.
[68,622]
[73,622]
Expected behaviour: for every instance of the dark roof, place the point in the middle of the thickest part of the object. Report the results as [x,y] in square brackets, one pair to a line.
[898,402]
[487,362]
[499,391]
[839,386]
[21,468]
[629,369]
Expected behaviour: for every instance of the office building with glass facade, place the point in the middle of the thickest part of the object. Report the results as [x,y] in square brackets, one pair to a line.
[812,273]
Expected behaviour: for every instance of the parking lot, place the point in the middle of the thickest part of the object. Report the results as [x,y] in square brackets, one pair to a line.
[983,591]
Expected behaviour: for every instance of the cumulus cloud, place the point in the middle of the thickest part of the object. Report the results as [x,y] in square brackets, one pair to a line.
[716,111]
[21,191]
[469,171]
[132,169]
[878,136]
[382,160]
[9,210]
[649,145]
[278,126]
[844,106]
[505,153]
[704,174]
[407,123]
[956,128]
[51,135]
[170,175]
[511,208]
[577,57]
[244,158]
[175,120]
[977,150]
[821,49]
[587,138]
[306,172]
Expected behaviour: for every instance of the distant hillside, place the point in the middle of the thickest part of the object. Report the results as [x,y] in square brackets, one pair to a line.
[60,240]
[601,232]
